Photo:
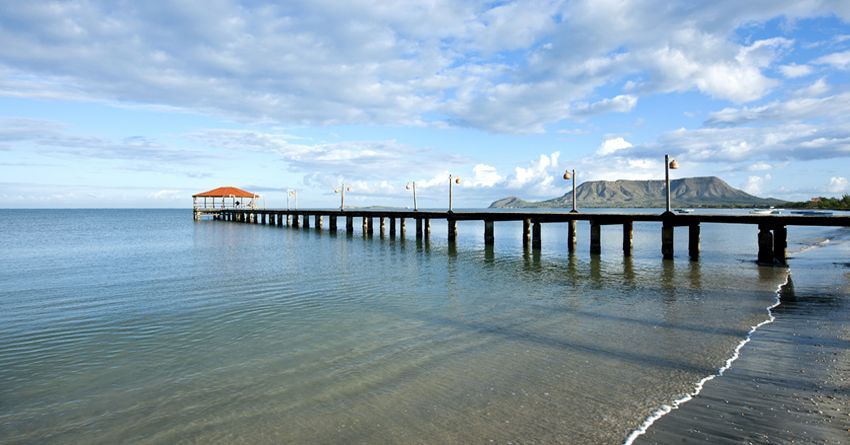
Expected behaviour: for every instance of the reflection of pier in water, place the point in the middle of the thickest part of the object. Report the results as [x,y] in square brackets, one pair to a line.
[772,229]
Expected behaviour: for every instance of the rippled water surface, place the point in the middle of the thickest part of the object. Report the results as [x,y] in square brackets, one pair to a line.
[143,326]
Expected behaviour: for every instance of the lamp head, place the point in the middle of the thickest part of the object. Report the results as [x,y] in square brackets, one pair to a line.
[567,174]
[674,165]
[457,180]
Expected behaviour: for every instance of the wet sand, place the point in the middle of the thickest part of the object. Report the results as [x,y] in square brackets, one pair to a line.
[792,381]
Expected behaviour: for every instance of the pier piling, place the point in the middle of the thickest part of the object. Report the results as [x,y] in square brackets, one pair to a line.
[418,228]
[693,242]
[427,228]
[392,227]
[595,237]
[349,224]
[526,233]
[319,221]
[536,242]
[765,238]
[628,235]
[780,245]
[452,225]
[489,239]
[382,221]
[667,240]
[571,236]
[332,223]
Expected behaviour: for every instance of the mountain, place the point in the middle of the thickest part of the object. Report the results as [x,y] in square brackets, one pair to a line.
[707,191]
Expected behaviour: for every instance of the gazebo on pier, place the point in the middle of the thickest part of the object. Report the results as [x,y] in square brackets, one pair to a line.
[225,198]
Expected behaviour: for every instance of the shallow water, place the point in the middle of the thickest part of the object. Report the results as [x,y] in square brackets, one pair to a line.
[144,326]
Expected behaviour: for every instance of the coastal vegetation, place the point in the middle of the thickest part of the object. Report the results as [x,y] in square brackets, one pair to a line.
[823,202]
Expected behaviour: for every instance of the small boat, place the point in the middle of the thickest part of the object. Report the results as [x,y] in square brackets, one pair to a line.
[765,212]
[812,212]
[683,210]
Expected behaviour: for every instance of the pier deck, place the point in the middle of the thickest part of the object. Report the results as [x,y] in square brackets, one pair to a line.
[772,229]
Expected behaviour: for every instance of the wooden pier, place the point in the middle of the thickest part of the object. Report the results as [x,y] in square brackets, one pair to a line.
[771,232]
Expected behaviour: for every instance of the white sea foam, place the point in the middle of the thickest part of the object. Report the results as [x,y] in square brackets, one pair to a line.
[665,409]
[820,243]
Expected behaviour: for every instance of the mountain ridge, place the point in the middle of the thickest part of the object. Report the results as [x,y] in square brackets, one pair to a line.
[701,191]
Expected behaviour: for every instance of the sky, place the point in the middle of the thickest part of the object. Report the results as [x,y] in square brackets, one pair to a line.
[142,104]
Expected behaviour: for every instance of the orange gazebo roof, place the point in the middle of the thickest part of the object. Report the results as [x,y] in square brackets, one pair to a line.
[225,192]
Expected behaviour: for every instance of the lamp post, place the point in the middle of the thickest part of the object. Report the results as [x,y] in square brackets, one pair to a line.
[572,175]
[341,190]
[669,164]
[294,194]
[412,186]
[452,180]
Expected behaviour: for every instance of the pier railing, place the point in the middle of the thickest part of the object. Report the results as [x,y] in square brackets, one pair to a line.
[772,229]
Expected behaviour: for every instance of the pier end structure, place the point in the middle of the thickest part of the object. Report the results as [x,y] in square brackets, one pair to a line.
[214,202]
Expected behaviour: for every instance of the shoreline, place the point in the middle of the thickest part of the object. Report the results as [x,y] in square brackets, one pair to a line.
[791,382]
[665,409]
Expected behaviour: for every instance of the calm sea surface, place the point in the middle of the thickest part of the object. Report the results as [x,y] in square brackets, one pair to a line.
[142,326]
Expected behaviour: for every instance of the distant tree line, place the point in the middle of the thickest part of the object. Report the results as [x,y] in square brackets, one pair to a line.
[823,202]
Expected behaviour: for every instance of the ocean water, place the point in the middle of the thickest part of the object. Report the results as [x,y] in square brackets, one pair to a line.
[142,326]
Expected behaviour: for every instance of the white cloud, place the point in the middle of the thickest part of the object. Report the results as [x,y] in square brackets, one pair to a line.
[755,184]
[618,104]
[839,60]
[347,159]
[837,184]
[538,175]
[793,71]
[170,195]
[759,166]
[505,66]
[762,52]
[613,145]
[55,139]
[816,89]
[705,63]
[796,109]
[619,167]
[539,178]
[572,131]
[485,176]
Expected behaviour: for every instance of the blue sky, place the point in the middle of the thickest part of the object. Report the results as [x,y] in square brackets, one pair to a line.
[142,104]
